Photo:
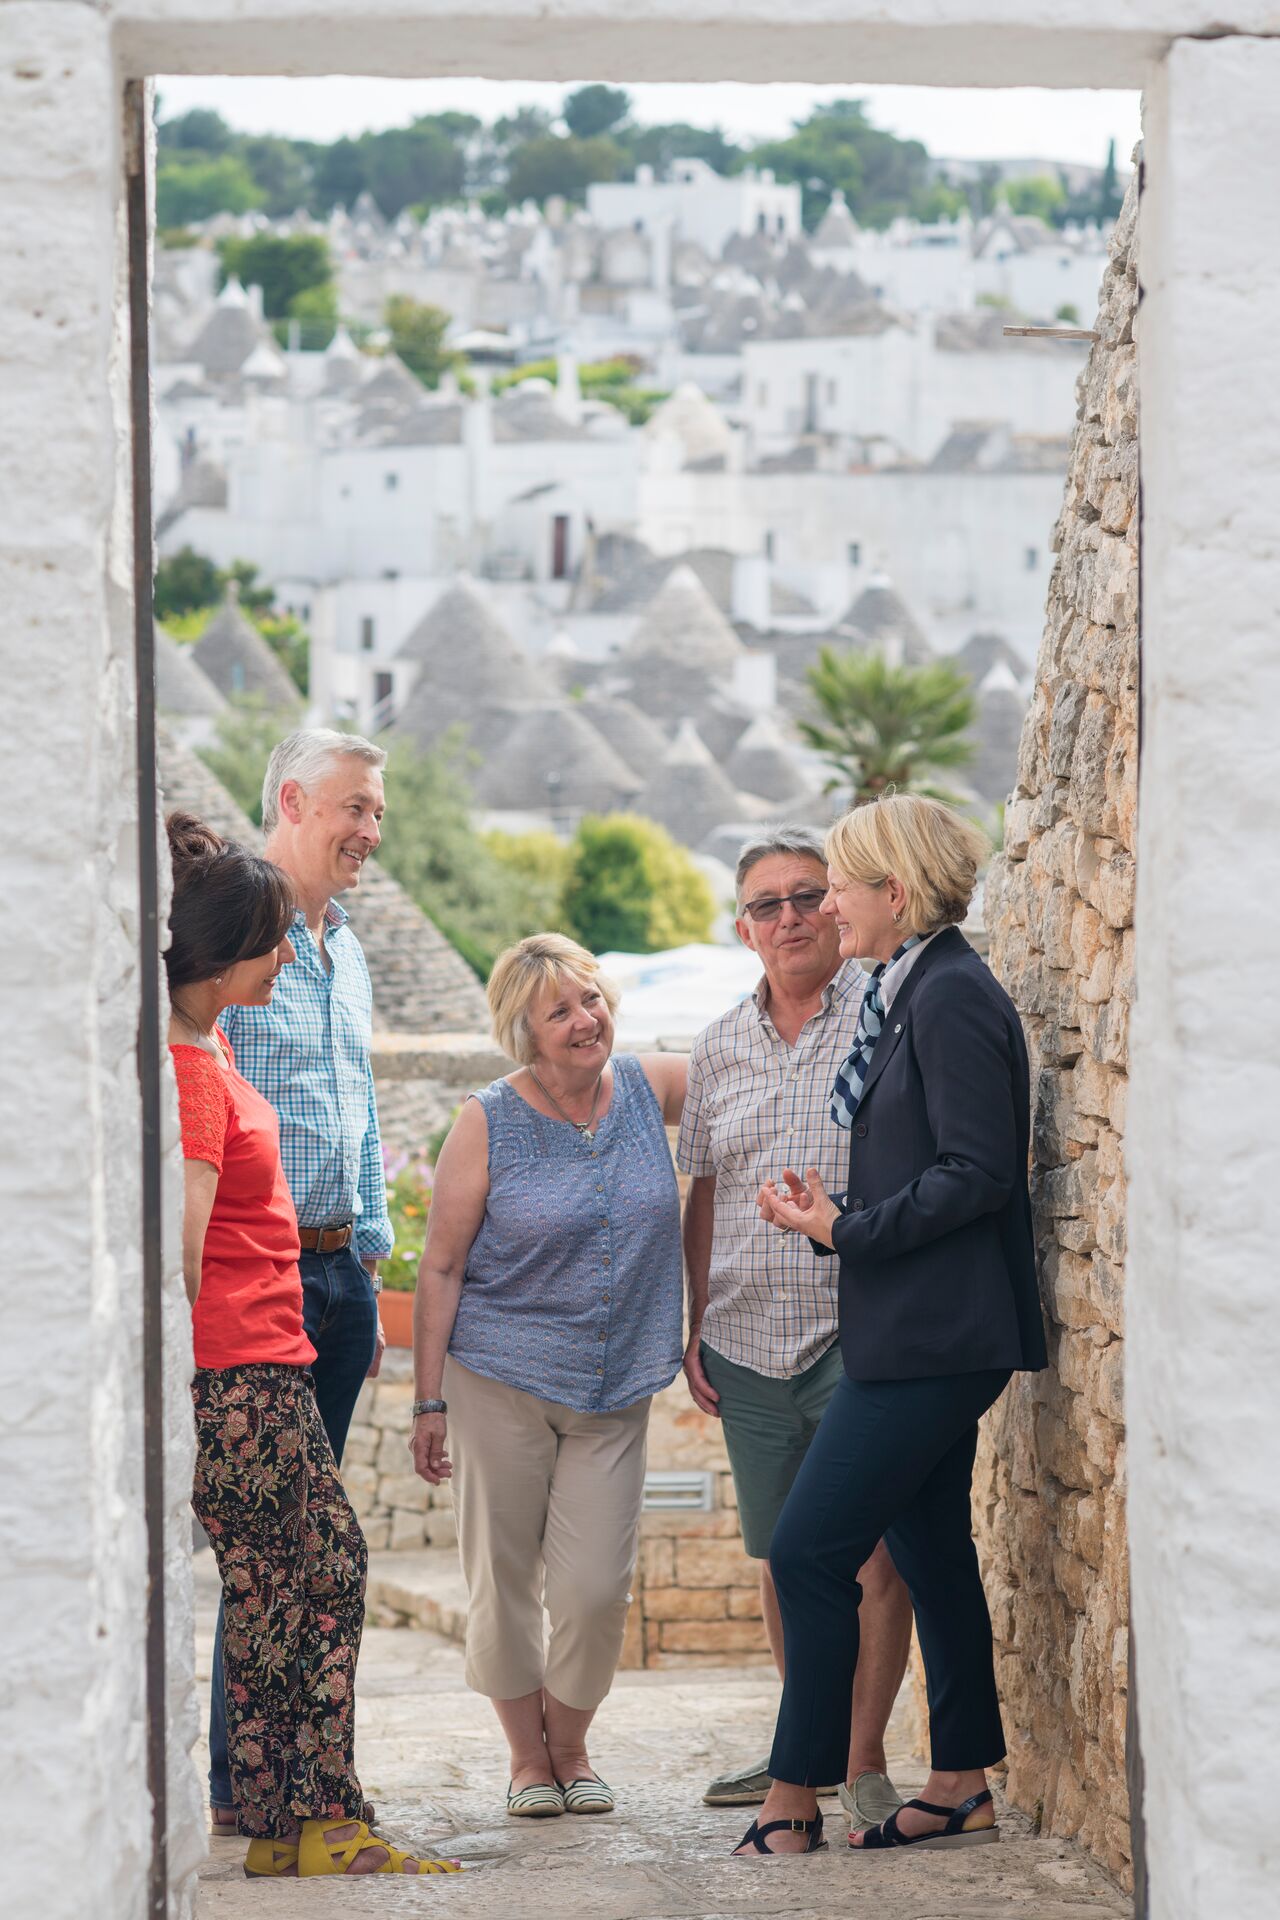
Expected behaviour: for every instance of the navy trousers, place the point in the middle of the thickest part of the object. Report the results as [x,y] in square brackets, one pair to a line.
[891,1459]
[340,1314]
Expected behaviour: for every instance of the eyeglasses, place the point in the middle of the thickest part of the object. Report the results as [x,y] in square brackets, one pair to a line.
[807,901]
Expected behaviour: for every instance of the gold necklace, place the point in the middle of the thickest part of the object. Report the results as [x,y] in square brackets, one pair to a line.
[584,1127]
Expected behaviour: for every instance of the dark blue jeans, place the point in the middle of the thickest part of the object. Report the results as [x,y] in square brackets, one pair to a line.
[891,1460]
[340,1313]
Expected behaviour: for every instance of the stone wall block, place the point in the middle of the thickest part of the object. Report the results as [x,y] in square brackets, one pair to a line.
[1068,709]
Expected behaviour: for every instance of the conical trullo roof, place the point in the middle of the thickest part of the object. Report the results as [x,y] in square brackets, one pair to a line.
[554,757]
[982,651]
[837,227]
[1002,707]
[466,661]
[392,382]
[239,662]
[882,615]
[182,688]
[632,735]
[683,627]
[229,335]
[764,763]
[688,794]
[696,422]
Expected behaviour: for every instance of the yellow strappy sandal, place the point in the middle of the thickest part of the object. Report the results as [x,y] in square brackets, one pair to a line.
[319,1855]
[268,1859]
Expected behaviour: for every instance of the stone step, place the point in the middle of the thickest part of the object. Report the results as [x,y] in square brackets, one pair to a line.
[418,1589]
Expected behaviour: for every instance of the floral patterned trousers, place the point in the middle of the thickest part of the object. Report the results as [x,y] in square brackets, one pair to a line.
[293,1562]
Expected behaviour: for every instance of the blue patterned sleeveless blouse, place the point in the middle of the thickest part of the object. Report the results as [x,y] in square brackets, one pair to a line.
[574,1283]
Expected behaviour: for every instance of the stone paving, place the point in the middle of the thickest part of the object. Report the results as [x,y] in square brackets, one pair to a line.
[432,1759]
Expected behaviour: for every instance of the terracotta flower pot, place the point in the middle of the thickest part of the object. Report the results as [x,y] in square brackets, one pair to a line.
[397,1318]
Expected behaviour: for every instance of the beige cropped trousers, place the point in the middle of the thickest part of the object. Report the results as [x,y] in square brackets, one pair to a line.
[548,1509]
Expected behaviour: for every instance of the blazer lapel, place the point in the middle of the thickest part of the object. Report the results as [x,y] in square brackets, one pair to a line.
[895,1019]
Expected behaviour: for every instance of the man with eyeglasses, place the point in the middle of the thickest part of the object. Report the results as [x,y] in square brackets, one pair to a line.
[763,1355]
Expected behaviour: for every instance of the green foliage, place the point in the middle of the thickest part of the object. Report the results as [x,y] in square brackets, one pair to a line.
[885,727]
[289,639]
[594,110]
[1042,196]
[1069,314]
[611,380]
[280,170]
[200,129]
[315,310]
[408,1204]
[422,164]
[541,862]
[184,583]
[479,903]
[417,335]
[190,187]
[238,755]
[632,888]
[283,265]
[176,239]
[837,146]
[559,164]
[658,146]
[339,174]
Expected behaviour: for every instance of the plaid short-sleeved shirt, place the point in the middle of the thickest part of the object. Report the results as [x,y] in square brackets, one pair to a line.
[754,1107]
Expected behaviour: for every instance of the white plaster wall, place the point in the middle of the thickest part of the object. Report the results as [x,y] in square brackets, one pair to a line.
[1203,1347]
[72,1538]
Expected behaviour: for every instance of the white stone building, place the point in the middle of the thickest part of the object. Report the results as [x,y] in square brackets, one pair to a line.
[698,204]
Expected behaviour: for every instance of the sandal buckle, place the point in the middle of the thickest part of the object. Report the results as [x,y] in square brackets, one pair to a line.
[799,1826]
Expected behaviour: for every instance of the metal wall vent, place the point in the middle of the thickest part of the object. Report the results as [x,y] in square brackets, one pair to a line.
[677,1492]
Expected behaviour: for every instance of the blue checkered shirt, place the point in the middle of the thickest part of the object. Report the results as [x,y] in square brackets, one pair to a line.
[308,1053]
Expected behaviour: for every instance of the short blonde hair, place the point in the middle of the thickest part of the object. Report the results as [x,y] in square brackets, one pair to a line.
[519,975]
[934,851]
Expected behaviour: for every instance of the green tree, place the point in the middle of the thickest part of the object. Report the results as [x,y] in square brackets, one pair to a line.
[658,146]
[283,265]
[541,862]
[281,171]
[885,726]
[595,109]
[316,311]
[417,335]
[185,583]
[410,166]
[562,165]
[1043,196]
[238,754]
[837,146]
[631,888]
[194,187]
[339,174]
[199,130]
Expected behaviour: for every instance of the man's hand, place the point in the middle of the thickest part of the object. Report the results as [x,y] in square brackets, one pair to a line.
[427,1444]
[705,1397]
[800,1206]
[380,1347]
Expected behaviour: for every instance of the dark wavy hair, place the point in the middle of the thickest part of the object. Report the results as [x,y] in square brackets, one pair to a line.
[228,904]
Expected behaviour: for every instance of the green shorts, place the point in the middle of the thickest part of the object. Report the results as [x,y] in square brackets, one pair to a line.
[768,1425]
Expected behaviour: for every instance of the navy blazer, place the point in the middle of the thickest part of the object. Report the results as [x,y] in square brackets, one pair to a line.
[937,1254]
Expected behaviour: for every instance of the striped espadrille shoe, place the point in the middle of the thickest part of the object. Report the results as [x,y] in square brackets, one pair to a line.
[587,1796]
[538,1802]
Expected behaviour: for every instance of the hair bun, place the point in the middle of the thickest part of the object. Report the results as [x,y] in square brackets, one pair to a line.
[191,841]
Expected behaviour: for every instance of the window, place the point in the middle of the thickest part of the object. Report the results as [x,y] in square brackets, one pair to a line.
[382,684]
[1031,558]
[560,547]
[391,481]
[366,634]
[853,553]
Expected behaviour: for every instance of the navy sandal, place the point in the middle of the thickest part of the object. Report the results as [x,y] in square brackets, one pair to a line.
[756,1835]
[952,1835]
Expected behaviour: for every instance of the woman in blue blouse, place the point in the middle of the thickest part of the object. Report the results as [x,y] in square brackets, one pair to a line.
[548,1311]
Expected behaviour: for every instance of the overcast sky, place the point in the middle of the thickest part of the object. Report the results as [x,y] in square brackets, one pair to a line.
[955,123]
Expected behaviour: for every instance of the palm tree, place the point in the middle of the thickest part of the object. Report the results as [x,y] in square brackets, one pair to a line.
[888,727]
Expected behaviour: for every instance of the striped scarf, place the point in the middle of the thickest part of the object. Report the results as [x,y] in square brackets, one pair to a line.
[847,1091]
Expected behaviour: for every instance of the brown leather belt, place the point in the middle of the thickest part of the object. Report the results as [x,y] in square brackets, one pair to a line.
[325,1239]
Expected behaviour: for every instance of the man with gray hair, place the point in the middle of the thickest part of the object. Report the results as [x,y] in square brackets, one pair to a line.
[309,1054]
[763,1353]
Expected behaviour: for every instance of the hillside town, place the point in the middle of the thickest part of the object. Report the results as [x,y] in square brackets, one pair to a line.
[840,448]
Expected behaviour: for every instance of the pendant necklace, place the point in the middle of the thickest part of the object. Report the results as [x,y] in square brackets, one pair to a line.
[585,1127]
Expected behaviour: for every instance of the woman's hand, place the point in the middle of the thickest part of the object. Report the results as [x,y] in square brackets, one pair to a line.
[799,1206]
[427,1445]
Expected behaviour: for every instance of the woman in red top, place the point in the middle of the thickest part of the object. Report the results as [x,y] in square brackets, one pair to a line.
[289,1548]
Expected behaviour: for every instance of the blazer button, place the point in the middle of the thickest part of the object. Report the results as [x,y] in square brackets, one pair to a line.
[861,1130]
[856,1206]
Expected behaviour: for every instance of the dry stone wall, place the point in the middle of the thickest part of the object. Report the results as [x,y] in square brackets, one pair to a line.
[1049,1491]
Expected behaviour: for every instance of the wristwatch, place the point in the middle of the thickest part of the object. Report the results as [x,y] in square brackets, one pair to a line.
[428,1406]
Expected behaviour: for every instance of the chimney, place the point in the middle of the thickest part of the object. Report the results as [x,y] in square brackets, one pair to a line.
[568,391]
[749,593]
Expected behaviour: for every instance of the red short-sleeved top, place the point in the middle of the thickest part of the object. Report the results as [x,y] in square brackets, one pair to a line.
[249,1308]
